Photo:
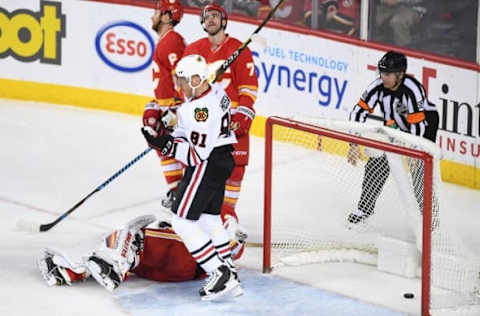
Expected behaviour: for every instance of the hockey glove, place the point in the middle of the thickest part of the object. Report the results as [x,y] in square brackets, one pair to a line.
[162,143]
[242,120]
[151,115]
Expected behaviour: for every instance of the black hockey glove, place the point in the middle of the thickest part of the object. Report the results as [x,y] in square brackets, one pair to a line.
[163,143]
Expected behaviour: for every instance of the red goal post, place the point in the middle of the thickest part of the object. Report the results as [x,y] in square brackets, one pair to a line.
[353,139]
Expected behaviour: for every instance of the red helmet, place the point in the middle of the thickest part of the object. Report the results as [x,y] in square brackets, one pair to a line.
[172,6]
[214,7]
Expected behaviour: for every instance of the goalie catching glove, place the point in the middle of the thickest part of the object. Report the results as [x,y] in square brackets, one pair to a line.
[162,143]
[241,120]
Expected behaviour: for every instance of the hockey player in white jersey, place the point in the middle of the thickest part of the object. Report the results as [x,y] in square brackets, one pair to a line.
[202,141]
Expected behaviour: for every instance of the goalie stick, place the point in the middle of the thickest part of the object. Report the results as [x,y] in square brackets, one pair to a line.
[46,227]
[236,53]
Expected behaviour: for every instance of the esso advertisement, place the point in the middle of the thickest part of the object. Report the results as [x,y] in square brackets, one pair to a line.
[125,46]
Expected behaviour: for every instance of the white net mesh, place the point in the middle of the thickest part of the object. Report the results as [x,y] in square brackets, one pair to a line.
[381,195]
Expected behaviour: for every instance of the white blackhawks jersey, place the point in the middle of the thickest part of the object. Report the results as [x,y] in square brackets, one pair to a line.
[203,124]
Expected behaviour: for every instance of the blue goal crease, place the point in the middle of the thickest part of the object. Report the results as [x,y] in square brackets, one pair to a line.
[263,295]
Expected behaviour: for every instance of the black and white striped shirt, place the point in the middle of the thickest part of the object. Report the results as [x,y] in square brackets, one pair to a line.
[405,106]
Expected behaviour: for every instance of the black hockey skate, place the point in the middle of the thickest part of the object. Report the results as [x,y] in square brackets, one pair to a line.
[356,220]
[220,282]
[104,273]
[51,272]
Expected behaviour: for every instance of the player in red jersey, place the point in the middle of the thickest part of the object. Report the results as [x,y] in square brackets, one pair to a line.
[240,83]
[168,51]
[156,254]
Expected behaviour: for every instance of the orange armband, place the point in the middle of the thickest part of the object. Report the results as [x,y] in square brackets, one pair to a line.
[414,118]
[365,106]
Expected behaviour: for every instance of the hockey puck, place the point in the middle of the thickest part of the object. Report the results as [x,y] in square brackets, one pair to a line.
[408,295]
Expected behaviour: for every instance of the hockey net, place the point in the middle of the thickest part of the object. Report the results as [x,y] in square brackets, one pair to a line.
[402,232]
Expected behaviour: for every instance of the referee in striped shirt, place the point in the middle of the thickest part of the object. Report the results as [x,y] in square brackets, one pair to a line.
[404,104]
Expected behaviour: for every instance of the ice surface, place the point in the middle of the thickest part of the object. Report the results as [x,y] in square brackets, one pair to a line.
[52,156]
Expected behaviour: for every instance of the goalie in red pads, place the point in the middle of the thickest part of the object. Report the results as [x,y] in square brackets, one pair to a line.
[152,253]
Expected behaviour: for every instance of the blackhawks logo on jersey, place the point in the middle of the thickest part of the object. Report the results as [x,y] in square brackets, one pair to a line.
[201,115]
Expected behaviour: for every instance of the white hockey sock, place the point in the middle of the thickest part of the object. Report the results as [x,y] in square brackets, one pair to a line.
[213,225]
[197,242]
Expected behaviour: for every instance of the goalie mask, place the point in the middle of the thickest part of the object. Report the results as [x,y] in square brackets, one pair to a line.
[190,66]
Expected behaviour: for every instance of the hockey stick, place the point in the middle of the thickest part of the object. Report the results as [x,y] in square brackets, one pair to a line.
[46,227]
[236,53]
[218,73]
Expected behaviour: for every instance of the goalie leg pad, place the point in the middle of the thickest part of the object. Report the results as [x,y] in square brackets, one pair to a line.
[119,253]
[58,269]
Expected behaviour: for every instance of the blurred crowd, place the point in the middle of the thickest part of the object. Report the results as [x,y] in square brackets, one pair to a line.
[442,27]
[335,15]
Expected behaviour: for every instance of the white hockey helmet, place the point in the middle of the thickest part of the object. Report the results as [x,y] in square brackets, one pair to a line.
[190,66]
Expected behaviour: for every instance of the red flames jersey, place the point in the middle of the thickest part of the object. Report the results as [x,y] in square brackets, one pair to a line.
[239,81]
[165,258]
[168,51]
